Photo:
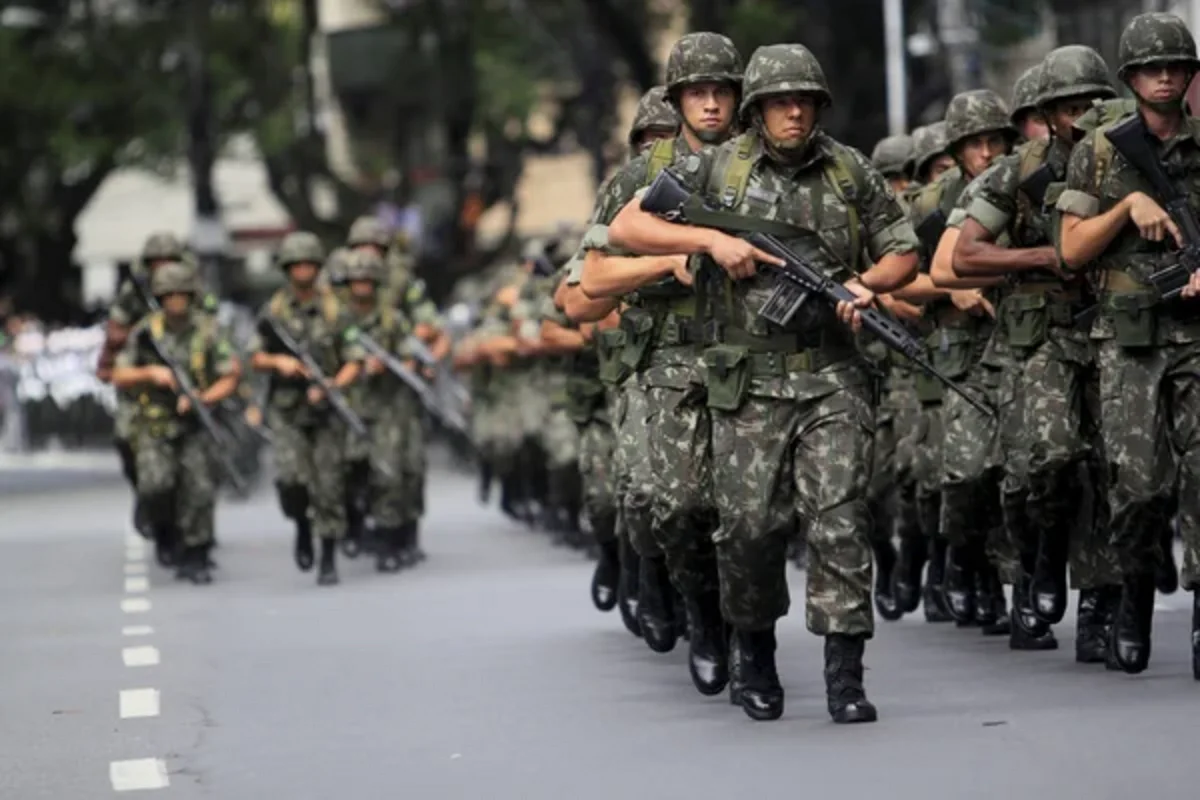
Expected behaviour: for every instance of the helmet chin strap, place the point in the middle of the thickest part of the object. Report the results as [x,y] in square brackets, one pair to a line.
[783,154]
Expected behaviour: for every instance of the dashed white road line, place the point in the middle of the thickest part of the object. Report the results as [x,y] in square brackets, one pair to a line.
[135,554]
[135,584]
[137,703]
[141,773]
[135,568]
[143,656]
[135,605]
[137,630]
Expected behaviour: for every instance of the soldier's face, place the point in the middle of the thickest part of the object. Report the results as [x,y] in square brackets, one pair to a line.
[652,135]
[939,165]
[979,151]
[899,183]
[789,119]
[362,290]
[303,275]
[368,248]
[707,108]
[1160,83]
[176,304]
[1062,115]
[1033,126]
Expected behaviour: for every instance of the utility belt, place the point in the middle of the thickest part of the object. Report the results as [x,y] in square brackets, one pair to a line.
[737,357]
[1033,308]
[585,397]
[1136,312]
[660,324]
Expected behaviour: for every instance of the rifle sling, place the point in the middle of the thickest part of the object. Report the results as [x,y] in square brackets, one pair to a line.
[696,213]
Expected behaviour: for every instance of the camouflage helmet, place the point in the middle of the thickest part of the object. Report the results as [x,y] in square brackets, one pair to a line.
[783,69]
[364,266]
[974,112]
[1155,38]
[1073,71]
[929,142]
[162,246]
[703,58]
[368,230]
[893,154]
[653,111]
[300,247]
[1025,92]
[172,278]
[336,264]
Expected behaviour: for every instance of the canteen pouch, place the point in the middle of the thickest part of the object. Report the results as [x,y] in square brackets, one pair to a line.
[584,396]
[1135,323]
[951,353]
[1026,320]
[609,347]
[638,325]
[728,376]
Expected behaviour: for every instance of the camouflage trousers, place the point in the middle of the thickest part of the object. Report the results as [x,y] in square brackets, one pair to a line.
[560,439]
[533,398]
[972,468]
[923,445]
[309,463]
[390,500]
[892,491]
[177,485]
[124,437]
[1052,484]
[634,485]
[414,465]
[776,459]
[598,468]
[1150,406]
[497,427]
[679,431]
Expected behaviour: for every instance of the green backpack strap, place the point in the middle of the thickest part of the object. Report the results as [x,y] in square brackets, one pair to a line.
[1102,155]
[157,324]
[736,170]
[278,308]
[841,177]
[662,155]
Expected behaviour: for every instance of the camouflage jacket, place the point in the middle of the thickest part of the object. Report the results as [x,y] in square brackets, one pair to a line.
[373,395]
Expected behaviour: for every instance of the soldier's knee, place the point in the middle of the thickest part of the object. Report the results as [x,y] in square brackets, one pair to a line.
[293,500]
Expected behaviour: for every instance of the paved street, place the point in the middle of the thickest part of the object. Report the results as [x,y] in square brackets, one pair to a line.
[485,673]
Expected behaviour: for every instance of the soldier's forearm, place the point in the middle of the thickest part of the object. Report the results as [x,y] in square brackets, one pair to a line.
[894,271]
[1083,240]
[614,276]
[975,256]
[263,362]
[222,388]
[347,375]
[129,377]
[641,232]
[581,308]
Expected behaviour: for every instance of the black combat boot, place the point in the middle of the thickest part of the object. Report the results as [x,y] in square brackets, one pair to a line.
[304,545]
[991,610]
[1048,589]
[353,542]
[885,581]
[166,545]
[1028,632]
[906,581]
[141,521]
[959,585]
[655,617]
[1166,574]
[1196,634]
[735,669]
[627,587]
[606,576]
[414,541]
[708,644]
[327,573]
[683,625]
[798,551]
[387,555]
[1093,623]
[761,694]
[193,565]
[932,597]
[1132,626]
[485,482]
[844,694]
[407,544]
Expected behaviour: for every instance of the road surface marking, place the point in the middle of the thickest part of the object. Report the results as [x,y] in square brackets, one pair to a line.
[144,656]
[136,703]
[137,630]
[134,539]
[137,584]
[135,554]
[135,568]
[141,773]
[135,605]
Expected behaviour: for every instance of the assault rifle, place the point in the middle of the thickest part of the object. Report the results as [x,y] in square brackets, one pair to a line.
[797,280]
[187,388]
[447,417]
[1135,143]
[423,354]
[1035,185]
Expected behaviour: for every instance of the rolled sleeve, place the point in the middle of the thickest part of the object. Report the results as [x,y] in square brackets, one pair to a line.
[1077,203]
[898,237]
[994,220]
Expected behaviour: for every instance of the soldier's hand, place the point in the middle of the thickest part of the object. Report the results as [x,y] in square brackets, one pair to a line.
[1152,222]
[104,374]
[738,257]
[902,309]
[316,394]
[290,367]
[973,302]
[374,366]
[679,269]
[1193,287]
[850,313]
[254,417]
[183,405]
[161,375]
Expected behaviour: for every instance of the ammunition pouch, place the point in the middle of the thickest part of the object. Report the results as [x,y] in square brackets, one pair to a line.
[951,352]
[638,325]
[584,397]
[1134,317]
[729,371]
[610,345]
[1026,320]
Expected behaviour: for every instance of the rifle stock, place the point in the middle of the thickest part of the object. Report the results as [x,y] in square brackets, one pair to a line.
[798,280]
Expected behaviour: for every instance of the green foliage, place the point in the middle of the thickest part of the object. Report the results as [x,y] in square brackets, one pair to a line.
[753,23]
[1004,23]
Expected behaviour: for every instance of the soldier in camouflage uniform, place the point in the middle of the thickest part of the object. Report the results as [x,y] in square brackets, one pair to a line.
[893,157]
[930,158]
[792,414]
[1054,413]
[1148,349]
[176,480]
[333,274]
[309,438]
[957,454]
[1026,117]
[664,335]
[129,307]
[386,404]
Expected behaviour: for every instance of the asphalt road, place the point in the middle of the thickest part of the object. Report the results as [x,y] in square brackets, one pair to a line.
[485,673]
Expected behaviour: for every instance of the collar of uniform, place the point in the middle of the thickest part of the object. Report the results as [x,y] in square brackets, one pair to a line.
[185,324]
[819,149]
[310,305]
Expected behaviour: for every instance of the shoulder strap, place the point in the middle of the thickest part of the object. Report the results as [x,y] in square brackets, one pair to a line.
[662,155]
[205,328]
[330,308]
[1102,151]
[277,306]
[1032,156]
[841,177]
[157,324]
[736,170]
